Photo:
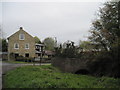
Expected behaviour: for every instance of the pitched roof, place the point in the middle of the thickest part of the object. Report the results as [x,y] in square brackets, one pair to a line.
[18,31]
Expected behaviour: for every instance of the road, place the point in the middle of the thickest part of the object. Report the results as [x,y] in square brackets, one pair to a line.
[10,66]
[5,67]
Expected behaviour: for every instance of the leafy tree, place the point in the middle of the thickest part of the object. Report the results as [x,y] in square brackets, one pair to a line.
[69,50]
[58,50]
[4,45]
[105,30]
[49,43]
[86,45]
[37,40]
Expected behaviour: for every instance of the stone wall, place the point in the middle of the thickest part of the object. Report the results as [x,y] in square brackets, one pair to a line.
[69,65]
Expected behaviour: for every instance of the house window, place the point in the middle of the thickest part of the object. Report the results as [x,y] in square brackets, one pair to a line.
[26,54]
[21,37]
[27,46]
[16,46]
[16,55]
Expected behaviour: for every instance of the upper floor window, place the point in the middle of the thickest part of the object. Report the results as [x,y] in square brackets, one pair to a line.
[27,46]
[16,46]
[21,37]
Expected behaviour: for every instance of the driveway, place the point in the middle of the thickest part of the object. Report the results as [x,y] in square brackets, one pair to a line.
[5,67]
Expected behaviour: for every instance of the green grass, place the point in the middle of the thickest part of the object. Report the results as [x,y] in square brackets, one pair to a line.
[50,77]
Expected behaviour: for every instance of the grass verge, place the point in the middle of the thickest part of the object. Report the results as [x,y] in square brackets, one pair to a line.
[47,76]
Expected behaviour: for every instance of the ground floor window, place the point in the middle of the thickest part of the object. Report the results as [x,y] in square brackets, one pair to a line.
[16,55]
[16,46]
[38,54]
[27,55]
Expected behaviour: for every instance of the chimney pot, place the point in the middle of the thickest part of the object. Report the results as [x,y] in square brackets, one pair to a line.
[21,28]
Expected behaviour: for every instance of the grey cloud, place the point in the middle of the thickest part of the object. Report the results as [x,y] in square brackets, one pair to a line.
[63,20]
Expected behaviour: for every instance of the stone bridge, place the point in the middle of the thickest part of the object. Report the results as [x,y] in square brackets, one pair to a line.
[71,65]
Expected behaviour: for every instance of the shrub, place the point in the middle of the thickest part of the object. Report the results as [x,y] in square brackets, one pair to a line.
[25,59]
[70,51]
[104,64]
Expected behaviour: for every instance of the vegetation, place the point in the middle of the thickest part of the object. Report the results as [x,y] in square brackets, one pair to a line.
[105,30]
[105,34]
[69,50]
[16,62]
[25,59]
[50,77]
[49,43]
[87,45]
[4,45]
[37,40]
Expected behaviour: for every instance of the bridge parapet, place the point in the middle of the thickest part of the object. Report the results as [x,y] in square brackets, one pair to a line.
[69,65]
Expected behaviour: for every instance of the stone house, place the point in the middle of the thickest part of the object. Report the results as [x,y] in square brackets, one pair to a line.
[22,44]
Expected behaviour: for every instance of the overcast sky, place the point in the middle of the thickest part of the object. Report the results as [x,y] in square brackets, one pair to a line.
[64,20]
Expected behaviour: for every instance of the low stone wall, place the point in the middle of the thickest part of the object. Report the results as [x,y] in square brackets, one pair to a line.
[69,65]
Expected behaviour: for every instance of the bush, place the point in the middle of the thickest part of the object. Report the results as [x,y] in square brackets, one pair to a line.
[70,51]
[25,59]
[105,64]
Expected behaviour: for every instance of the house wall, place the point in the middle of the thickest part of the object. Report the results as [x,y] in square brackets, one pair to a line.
[15,39]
